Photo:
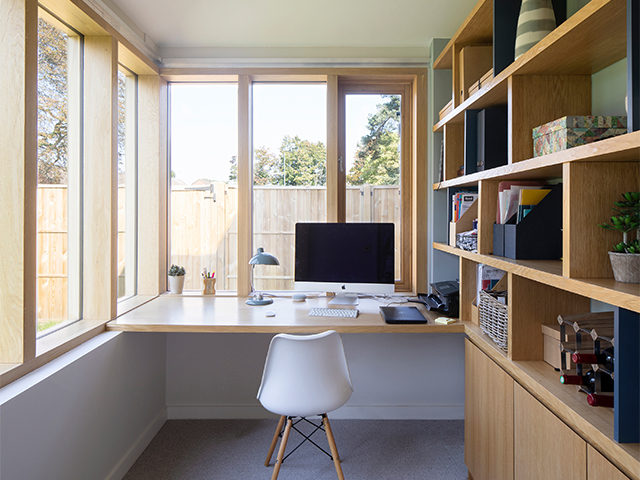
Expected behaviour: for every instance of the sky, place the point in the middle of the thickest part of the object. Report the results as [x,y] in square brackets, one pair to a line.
[204,123]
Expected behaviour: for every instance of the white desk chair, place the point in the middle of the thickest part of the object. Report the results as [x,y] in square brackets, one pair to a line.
[304,375]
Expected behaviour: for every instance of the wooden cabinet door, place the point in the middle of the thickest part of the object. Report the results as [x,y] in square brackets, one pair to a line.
[488,417]
[544,447]
[599,468]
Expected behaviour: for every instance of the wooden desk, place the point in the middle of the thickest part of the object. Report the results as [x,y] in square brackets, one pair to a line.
[184,313]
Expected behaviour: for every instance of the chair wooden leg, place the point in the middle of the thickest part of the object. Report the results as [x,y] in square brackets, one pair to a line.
[283,446]
[332,446]
[275,440]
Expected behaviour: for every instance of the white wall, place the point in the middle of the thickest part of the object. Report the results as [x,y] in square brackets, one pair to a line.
[395,376]
[88,414]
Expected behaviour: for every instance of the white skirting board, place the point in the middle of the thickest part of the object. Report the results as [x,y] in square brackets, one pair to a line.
[143,441]
[348,412]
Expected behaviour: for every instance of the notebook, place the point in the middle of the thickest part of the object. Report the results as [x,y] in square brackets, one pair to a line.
[402,315]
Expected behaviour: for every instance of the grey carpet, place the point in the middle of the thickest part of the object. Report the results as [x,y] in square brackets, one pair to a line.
[369,449]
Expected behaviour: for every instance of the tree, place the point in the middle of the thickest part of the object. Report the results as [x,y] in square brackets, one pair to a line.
[233,170]
[121,120]
[267,169]
[377,158]
[52,104]
[300,163]
[303,163]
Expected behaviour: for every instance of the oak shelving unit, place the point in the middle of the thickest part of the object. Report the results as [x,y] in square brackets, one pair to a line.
[551,80]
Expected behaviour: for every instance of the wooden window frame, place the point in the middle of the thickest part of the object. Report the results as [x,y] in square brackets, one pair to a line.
[403,88]
[20,353]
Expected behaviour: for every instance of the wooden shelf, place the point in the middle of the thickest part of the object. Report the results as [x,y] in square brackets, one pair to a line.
[624,148]
[477,29]
[595,425]
[549,272]
[590,40]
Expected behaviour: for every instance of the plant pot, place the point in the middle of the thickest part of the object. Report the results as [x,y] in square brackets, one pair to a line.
[176,284]
[626,267]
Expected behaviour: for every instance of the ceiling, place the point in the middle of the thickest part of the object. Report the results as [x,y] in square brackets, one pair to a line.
[244,28]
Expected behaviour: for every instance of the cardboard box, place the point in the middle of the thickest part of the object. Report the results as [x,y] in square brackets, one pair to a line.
[572,131]
[486,78]
[446,110]
[473,63]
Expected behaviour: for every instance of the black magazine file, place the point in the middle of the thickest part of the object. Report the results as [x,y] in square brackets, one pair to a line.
[538,236]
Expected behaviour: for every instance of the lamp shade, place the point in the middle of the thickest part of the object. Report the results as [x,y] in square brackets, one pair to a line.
[263,258]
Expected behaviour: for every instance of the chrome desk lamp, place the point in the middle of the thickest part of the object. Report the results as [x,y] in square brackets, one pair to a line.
[260,258]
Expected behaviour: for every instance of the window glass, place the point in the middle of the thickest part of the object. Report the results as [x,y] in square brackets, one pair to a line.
[289,172]
[127,183]
[59,193]
[204,194]
[373,161]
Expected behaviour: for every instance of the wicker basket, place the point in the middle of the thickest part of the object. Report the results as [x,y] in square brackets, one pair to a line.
[494,319]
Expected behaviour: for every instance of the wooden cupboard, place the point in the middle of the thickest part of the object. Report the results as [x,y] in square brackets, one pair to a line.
[544,447]
[488,428]
[551,80]
[599,468]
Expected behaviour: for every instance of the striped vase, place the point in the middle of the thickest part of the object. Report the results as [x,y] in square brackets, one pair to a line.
[536,20]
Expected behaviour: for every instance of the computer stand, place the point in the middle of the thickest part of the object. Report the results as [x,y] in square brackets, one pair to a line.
[345,299]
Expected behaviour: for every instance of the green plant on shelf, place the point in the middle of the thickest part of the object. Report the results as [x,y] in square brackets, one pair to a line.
[176,271]
[627,219]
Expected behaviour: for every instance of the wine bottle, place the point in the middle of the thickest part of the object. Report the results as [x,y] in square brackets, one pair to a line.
[596,400]
[605,358]
[588,381]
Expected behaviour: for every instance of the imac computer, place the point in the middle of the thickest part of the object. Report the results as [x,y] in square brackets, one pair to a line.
[345,258]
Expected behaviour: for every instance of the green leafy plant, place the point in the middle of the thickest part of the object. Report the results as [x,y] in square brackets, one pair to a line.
[627,219]
[176,271]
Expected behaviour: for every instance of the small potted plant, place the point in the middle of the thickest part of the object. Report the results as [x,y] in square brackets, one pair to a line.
[176,279]
[625,257]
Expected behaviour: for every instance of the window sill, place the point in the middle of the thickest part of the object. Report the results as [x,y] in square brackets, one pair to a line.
[58,343]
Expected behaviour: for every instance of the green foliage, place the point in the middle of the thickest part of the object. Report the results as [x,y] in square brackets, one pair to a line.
[629,247]
[300,163]
[267,169]
[52,104]
[176,271]
[303,163]
[121,120]
[377,159]
[626,220]
[233,170]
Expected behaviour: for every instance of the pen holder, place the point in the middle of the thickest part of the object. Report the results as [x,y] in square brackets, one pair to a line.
[209,286]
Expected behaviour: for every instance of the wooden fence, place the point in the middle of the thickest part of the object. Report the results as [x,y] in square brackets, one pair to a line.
[204,233]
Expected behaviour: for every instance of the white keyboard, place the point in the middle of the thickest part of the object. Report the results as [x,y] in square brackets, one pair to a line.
[333,312]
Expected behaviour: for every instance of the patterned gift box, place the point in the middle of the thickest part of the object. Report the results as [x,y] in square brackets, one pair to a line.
[572,131]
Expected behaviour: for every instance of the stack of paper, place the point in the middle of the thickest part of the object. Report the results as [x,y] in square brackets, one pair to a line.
[509,198]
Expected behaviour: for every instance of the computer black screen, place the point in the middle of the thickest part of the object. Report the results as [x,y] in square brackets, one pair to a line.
[360,253]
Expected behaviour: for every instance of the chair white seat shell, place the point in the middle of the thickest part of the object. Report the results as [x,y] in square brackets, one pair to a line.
[304,375]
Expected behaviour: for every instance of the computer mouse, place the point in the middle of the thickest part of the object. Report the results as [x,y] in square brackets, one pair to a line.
[299,297]
[269,313]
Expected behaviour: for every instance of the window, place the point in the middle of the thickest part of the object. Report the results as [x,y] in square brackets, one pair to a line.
[127,183]
[204,195]
[59,192]
[289,172]
[373,163]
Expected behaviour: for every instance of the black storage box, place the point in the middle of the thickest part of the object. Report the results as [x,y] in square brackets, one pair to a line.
[538,236]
